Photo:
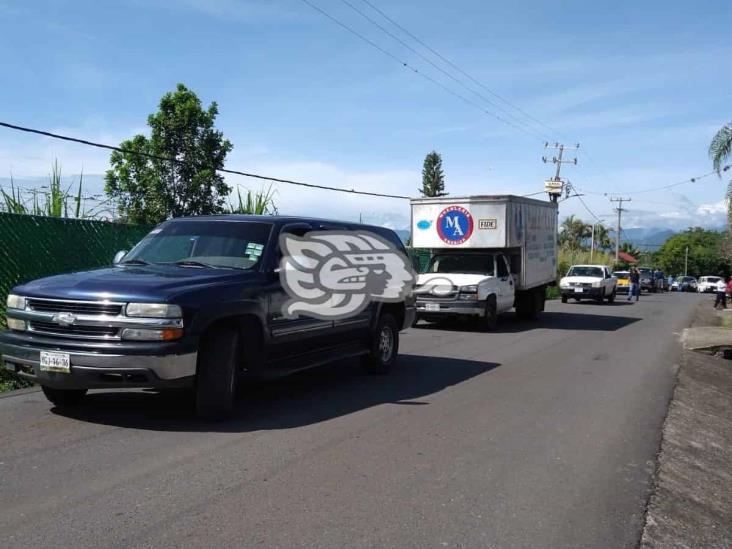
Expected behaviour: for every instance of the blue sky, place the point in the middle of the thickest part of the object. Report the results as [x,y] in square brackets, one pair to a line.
[643,86]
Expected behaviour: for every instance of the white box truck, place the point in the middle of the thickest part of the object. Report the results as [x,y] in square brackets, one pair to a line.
[487,254]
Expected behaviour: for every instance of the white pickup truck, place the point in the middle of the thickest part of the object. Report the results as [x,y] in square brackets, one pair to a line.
[588,282]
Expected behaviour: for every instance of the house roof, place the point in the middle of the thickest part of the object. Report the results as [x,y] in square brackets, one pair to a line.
[624,256]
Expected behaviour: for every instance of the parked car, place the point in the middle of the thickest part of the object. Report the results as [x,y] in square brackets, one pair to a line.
[623,284]
[588,282]
[707,284]
[197,303]
[684,284]
[647,280]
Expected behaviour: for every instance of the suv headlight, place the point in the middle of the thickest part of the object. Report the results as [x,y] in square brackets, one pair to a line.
[15,302]
[153,310]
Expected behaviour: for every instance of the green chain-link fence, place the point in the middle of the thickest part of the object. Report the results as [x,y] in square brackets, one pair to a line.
[33,247]
[422,256]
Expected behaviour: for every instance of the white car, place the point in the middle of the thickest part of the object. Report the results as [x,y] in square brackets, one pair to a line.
[707,284]
[588,282]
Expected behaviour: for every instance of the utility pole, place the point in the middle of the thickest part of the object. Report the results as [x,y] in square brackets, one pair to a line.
[554,187]
[686,261]
[620,211]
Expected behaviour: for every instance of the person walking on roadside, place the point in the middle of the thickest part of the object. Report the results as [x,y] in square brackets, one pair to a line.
[634,284]
[721,294]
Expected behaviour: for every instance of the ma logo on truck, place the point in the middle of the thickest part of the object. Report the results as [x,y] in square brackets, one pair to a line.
[454,225]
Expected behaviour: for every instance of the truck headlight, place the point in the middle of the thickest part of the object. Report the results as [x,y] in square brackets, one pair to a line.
[471,289]
[563,283]
[145,334]
[16,324]
[15,302]
[153,310]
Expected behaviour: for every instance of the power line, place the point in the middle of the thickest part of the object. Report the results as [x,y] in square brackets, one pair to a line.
[662,187]
[415,70]
[459,69]
[439,68]
[179,161]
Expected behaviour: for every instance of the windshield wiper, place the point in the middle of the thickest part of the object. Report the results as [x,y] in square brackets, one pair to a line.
[134,262]
[193,263]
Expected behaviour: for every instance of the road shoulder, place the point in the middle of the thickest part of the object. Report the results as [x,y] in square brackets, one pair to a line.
[691,503]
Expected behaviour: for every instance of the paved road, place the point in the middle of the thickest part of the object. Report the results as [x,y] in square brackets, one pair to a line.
[541,435]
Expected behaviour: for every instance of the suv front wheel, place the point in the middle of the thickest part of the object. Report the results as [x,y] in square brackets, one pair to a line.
[216,376]
[383,347]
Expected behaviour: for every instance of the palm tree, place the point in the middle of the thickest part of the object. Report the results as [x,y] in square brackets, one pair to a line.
[602,237]
[573,232]
[720,150]
[628,248]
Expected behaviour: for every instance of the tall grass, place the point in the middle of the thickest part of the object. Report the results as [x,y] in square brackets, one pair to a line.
[52,203]
[259,202]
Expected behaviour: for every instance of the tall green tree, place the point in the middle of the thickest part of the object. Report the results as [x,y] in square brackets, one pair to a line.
[572,232]
[720,150]
[183,180]
[705,253]
[433,178]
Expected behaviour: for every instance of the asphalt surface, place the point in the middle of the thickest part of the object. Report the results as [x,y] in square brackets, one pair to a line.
[540,435]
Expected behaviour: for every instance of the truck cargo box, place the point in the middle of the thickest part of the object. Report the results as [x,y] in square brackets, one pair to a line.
[523,227]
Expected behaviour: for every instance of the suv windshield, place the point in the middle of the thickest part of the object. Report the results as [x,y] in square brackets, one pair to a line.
[218,244]
[595,272]
[462,263]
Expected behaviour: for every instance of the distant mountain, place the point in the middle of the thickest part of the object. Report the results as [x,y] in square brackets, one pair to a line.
[647,239]
[404,234]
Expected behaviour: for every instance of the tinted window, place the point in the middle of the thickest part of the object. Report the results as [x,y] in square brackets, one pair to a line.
[227,244]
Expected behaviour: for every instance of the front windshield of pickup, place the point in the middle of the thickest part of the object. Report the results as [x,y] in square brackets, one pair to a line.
[462,263]
[200,244]
[595,272]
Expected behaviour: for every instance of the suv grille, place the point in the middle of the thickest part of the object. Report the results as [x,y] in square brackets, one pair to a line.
[77,307]
[96,332]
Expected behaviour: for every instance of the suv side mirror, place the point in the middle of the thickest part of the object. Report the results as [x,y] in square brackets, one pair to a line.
[118,256]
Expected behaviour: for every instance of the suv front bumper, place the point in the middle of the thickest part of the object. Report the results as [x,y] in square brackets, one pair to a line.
[96,370]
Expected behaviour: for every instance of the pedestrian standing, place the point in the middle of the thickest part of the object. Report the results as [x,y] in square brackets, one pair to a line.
[634,284]
[721,294]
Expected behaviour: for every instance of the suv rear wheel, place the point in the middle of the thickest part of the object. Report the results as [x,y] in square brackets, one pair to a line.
[216,375]
[383,347]
[63,397]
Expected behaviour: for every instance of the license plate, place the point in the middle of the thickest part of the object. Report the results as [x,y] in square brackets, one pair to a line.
[579,290]
[432,307]
[55,362]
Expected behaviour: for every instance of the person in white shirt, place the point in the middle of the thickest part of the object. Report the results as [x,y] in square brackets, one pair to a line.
[721,294]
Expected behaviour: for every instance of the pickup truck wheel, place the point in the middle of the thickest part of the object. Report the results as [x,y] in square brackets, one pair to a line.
[564,299]
[489,322]
[611,297]
[63,397]
[216,374]
[384,346]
